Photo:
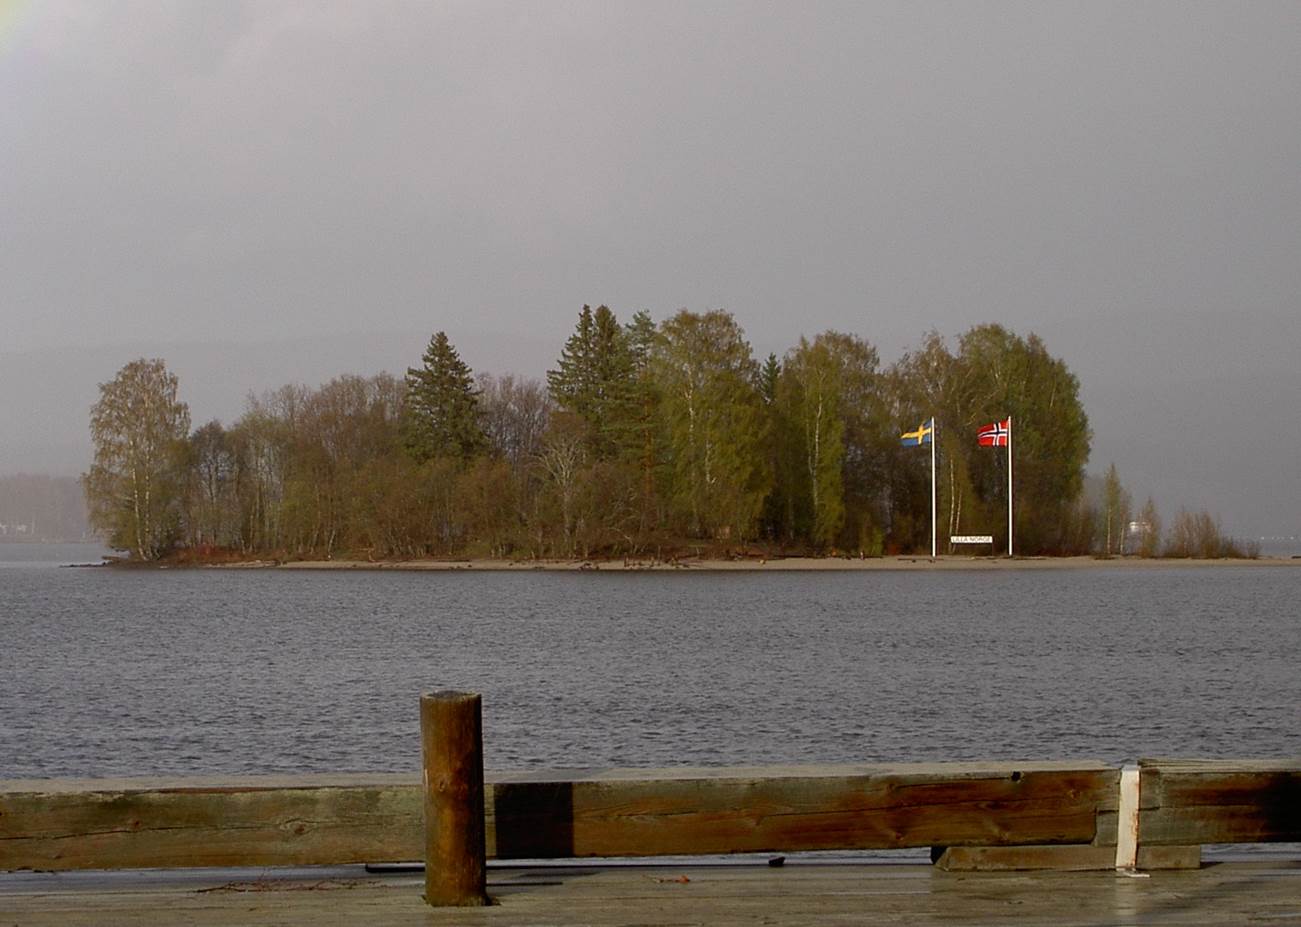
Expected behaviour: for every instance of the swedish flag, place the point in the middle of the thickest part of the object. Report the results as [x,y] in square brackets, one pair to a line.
[922,435]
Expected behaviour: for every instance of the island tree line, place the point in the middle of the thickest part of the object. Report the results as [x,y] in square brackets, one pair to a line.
[645,441]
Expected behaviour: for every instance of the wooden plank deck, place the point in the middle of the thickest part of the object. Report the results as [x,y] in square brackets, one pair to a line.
[1266,891]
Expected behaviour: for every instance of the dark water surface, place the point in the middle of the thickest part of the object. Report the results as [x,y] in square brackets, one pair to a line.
[108,672]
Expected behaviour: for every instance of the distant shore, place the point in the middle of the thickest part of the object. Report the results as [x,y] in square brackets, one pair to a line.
[785,564]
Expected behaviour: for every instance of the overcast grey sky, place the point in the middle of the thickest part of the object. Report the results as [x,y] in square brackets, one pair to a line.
[274,191]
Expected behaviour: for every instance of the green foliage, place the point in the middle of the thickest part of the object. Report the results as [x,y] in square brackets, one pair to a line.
[641,336]
[136,486]
[645,438]
[993,375]
[869,439]
[442,416]
[644,442]
[1149,544]
[596,380]
[213,470]
[777,515]
[769,375]
[1012,376]
[713,420]
[810,395]
[1115,513]
[834,443]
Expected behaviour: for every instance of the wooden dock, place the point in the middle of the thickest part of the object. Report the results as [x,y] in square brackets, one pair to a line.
[1076,842]
[1266,892]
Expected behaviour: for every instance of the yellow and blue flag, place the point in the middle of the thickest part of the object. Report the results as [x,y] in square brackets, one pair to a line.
[923,435]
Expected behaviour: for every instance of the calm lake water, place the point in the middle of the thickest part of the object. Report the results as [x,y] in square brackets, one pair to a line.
[107,672]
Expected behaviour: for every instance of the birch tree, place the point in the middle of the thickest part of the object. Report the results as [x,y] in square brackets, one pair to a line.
[1017,376]
[714,424]
[135,488]
[809,395]
[1116,506]
[213,476]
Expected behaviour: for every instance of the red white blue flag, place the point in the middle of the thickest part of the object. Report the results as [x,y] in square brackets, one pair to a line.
[995,435]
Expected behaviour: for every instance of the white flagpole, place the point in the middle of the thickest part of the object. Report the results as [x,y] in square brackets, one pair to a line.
[933,442]
[1009,486]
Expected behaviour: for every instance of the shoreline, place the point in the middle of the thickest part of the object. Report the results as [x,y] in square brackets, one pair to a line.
[788,564]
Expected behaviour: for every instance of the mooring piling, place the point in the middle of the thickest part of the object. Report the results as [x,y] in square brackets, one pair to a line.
[451,731]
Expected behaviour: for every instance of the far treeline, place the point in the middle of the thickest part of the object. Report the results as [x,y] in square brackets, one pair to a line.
[645,441]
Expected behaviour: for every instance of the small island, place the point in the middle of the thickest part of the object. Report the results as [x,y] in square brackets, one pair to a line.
[650,446]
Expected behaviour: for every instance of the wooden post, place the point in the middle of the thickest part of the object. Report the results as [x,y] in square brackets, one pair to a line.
[1127,826]
[451,731]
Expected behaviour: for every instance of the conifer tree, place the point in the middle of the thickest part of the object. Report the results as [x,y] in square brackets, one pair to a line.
[776,517]
[768,375]
[441,413]
[641,335]
[595,379]
[571,383]
[643,447]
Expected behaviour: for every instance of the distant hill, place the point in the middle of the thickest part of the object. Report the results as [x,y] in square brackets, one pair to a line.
[41,508]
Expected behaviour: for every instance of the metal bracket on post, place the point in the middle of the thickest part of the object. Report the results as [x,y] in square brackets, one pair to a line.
[451,733]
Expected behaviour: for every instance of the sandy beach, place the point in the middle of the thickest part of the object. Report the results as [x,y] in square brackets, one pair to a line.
[800,564]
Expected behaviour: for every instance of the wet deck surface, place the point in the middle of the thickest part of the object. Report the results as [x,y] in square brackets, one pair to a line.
[1262,891]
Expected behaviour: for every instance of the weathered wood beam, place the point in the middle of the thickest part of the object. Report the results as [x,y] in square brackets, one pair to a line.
[669,812]
[1062,858]
[1220,801]
[265,821]
[248,821]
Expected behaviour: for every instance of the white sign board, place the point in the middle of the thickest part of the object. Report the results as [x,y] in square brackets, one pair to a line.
[971,539]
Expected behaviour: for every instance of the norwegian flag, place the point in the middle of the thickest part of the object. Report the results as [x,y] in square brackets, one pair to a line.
[995,435]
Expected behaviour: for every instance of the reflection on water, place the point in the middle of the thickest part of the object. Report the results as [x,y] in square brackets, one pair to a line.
[108,672]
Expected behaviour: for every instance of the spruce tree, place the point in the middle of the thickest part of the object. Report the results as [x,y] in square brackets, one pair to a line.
[442,407]
[595,379]
[641,334]
[774,518]
[643,448]
[571,382]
